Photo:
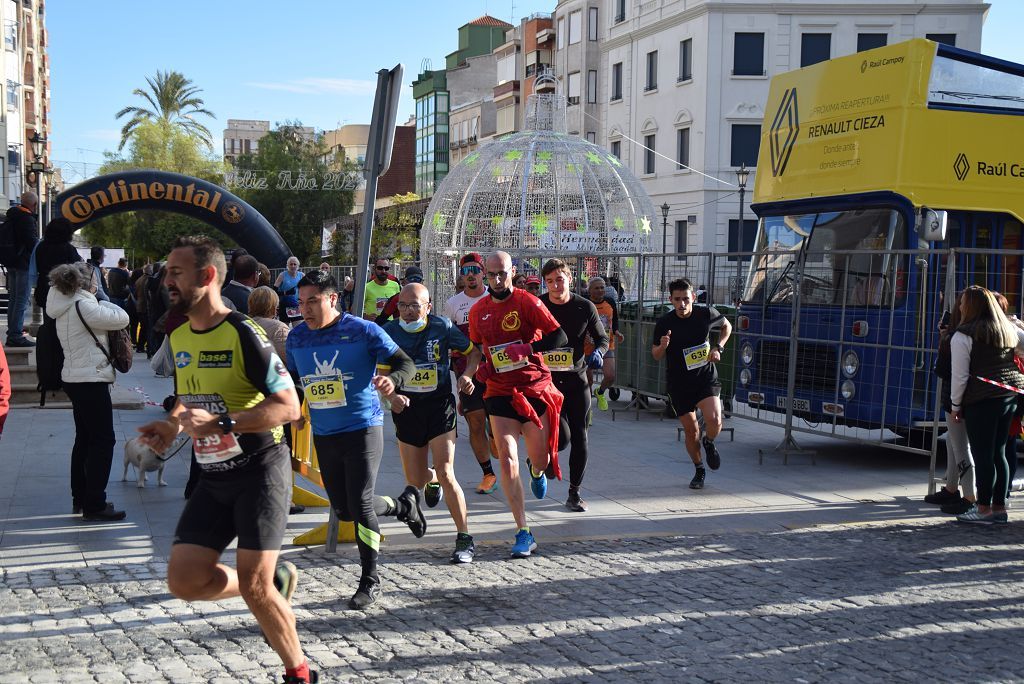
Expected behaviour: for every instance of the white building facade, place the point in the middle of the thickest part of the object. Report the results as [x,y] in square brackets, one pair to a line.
[689,79]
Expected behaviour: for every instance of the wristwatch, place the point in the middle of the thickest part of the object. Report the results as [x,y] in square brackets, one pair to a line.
[226,423]
[720,348]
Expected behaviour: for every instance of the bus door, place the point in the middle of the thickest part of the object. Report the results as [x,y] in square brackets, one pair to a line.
[1008,266]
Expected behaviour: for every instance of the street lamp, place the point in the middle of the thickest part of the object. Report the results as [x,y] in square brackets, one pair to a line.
[37,166]
[741,180]
[664,237]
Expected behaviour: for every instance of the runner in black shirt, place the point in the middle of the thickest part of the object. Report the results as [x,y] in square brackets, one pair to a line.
[682,338]
[578,317]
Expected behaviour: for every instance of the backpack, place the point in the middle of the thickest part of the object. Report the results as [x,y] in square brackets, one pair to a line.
[49,359]
[8,248]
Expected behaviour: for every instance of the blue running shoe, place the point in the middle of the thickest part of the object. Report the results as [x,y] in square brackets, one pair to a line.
[538,484]
[525,544]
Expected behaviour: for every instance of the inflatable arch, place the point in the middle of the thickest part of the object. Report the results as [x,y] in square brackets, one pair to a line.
[164,191]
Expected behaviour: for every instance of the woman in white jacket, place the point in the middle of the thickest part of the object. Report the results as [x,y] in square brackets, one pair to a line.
[87,377]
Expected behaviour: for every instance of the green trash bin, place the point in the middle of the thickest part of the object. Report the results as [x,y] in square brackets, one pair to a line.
[727,366]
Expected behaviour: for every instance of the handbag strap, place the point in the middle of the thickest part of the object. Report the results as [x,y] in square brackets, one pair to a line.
[95,339]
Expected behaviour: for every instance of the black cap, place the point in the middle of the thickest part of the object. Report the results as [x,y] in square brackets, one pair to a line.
[414,274]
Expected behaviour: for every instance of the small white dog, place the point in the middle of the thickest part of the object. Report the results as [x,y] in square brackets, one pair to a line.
[145,461]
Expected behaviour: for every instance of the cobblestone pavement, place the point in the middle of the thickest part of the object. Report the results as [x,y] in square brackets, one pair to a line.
[912,600]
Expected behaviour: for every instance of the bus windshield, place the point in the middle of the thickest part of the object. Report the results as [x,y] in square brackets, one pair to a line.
[862,279]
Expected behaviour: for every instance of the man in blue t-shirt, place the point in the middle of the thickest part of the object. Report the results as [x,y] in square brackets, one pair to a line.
[333,357]
[424,409]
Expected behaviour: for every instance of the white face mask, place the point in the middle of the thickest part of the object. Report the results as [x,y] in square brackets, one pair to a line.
[413,326]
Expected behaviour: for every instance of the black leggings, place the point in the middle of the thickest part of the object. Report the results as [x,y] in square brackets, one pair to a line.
[348,466]
[988,423]
[575,412]
[93,451]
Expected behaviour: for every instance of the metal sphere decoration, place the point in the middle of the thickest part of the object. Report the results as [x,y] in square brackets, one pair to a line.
[537,194]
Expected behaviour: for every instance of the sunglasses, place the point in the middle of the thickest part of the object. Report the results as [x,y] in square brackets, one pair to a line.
[471,270]
[383,268]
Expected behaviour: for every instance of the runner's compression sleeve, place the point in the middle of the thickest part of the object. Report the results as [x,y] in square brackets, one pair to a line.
[553,340]
[402,368]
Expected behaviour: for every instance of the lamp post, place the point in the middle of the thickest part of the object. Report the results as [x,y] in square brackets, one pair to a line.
[664,238]
[741,180]
[38,167]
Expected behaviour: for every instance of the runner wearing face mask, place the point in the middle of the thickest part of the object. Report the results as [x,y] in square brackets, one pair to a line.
[424,409]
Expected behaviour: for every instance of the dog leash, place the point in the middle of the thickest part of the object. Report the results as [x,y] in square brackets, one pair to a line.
[163,459]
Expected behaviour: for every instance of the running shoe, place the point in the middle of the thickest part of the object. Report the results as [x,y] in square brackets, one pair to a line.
[698,478]
[575,504]
[488,484]
[286,578]
[602,400]
[957,507]
[538,484]
[464,549]
[366,595]
[432,494]
[314,678]
[410,512]
[942,496]
[524,545]
[711,451]
[975,516]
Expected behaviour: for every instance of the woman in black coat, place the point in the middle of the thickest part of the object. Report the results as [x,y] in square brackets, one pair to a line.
[54,250]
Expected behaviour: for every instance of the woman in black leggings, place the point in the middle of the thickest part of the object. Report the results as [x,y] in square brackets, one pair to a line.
[578,318]
[983,395]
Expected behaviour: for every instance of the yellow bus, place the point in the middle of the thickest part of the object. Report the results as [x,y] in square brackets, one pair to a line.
[913,146]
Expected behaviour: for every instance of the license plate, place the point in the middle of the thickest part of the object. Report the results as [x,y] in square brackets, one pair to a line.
[798,404]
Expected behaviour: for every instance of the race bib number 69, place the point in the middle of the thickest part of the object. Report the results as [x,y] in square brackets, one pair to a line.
[502,362]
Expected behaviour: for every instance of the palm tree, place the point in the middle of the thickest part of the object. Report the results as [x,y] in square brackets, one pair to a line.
[174,100]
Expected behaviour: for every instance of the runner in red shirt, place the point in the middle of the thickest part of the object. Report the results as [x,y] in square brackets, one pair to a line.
[512,327]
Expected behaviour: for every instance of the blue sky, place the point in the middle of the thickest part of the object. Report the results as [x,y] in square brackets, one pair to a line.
[309,60]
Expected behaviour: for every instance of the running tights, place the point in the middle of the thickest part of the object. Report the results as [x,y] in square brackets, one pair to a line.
[988,423]
[348,466]
[575,411]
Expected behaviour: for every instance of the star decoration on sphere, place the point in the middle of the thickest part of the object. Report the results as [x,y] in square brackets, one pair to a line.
[514,155]
[540,167]
[571,168]
[629,262]
[496,220]
[540,224]
[619,223]
[471,159]
[496,171]
[644,224]
[593,158]
[613,160]
[545,156]
[470,228]
[439,219]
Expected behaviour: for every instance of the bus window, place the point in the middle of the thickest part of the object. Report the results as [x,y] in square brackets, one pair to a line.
[982,240]
[1009,272]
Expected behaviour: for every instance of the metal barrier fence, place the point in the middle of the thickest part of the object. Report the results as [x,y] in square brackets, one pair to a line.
[838,343]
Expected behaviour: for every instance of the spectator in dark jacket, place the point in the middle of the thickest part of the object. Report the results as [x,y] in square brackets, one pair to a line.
[238,288]
[22,218]
[54,250]
[158,301]
[117,284]
[95,261]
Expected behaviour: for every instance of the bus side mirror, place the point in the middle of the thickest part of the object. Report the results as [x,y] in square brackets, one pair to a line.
[932,225]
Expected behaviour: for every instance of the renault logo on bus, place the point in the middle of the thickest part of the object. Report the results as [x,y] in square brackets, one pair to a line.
[961,166]
[783,132]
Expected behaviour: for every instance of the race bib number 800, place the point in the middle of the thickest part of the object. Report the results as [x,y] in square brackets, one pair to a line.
[558,359]
[324,391]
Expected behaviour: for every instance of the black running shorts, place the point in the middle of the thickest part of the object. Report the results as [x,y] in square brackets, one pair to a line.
[502,406]
[424,419]
[685,398]
[251,504]
[475,401]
